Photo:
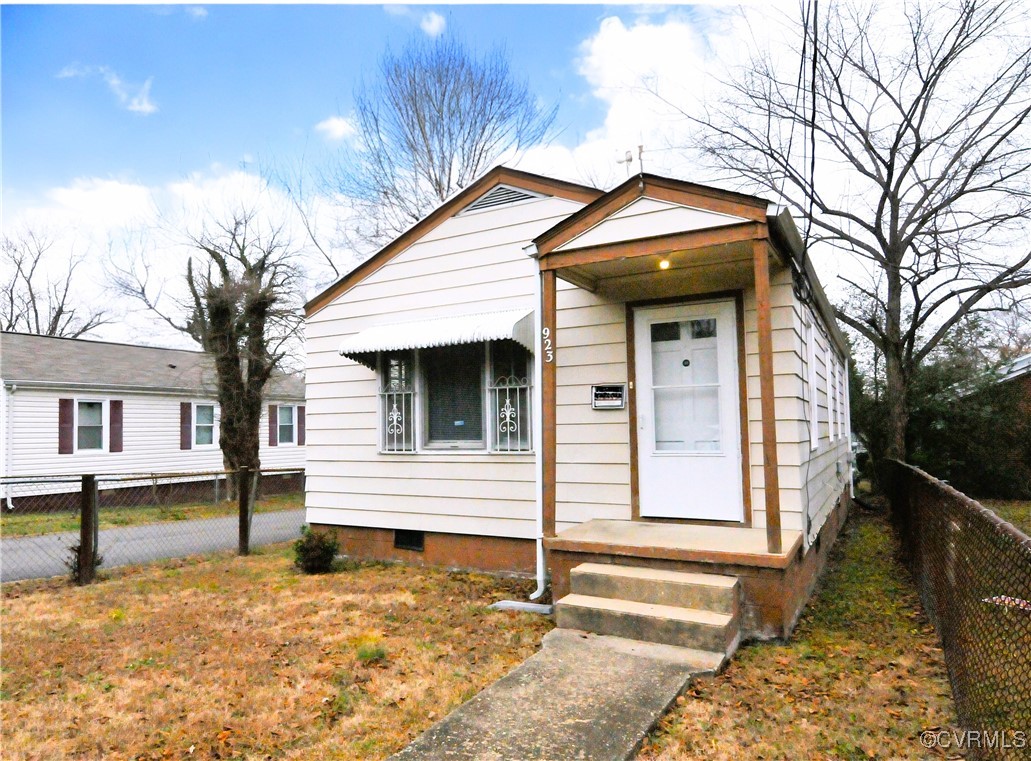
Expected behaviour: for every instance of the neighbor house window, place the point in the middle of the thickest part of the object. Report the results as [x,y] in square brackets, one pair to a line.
[203,425]
[469,396]
[89,425]
[287,423]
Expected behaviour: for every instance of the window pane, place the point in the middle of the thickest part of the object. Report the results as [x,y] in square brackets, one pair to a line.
[205,414]
[510,397]
[286,434]
[205,435]
[91,413]
[286,415]
[454,390]
[91,437]
[397,401]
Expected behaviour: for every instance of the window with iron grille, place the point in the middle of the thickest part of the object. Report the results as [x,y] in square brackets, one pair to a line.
[397,401]
[463,397]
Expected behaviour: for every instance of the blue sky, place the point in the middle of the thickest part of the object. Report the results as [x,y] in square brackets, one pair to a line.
[198,85]
[120,122]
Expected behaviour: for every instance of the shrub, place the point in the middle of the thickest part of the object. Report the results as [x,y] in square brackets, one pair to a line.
[73,562]
[314,551]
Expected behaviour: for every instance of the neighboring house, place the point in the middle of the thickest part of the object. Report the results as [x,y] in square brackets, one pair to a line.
[73,406]
[540,374]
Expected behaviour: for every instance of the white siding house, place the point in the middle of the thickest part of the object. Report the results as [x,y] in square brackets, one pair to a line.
[71,407]
[536,361]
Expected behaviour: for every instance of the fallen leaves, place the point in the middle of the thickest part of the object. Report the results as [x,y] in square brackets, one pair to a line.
[245,658]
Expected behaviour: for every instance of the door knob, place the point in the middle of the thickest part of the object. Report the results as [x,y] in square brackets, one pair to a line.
[686,363]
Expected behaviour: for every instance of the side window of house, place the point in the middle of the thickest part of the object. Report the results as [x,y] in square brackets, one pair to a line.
[286,423]
[468,396]
[397,401]
[89,425]
[203,424]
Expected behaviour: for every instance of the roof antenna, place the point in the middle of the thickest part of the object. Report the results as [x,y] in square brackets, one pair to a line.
[628,160]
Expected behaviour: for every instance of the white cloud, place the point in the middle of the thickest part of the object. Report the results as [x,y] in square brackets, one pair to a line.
[432,24]
[197,12]
[135,98]
[335,128]
[397,10]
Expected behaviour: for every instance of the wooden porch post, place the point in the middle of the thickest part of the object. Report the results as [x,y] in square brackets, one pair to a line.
[549,313]
[771,478]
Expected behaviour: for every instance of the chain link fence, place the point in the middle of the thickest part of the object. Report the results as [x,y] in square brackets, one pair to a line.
[53,525]
[973,571]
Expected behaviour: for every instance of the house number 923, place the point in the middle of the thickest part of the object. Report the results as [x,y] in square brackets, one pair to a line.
[549,351]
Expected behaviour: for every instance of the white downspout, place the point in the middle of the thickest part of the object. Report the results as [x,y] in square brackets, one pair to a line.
[538,434]
[538,447]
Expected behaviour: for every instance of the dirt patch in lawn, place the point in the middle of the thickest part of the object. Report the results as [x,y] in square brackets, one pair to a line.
[247,658]
[861,677]
[14,524]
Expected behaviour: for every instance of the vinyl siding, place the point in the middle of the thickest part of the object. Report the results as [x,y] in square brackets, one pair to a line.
[590,349]
[150,436]
[469,263]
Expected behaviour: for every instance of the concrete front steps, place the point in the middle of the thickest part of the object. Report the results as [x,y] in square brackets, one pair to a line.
[698,611]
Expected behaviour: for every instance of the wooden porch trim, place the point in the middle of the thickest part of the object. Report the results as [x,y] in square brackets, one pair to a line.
[549,387]
[660,244]
[771,476]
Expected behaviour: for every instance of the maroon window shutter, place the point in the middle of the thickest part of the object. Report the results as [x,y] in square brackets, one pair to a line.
[115,437]
[300,426]
[65,426]
[185,425]
[273,425]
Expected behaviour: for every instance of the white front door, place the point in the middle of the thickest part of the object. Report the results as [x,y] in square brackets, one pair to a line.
[688,414]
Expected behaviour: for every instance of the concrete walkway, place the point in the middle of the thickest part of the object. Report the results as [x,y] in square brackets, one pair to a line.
[581,697]
[36,557]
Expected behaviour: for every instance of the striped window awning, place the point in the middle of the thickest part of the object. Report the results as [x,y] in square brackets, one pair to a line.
[516,325]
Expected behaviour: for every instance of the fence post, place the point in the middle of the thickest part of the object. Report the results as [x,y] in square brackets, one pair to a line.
[87,531]
[243,493]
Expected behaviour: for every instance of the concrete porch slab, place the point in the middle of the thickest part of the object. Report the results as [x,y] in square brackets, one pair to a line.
[581,697]
[677,541]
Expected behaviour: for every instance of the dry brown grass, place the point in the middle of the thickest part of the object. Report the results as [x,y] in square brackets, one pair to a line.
[247,658]
[861,678]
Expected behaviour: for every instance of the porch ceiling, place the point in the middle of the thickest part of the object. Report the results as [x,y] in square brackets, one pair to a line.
[636,276]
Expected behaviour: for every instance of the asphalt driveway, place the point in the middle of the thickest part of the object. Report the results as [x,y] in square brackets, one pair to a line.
[35,557]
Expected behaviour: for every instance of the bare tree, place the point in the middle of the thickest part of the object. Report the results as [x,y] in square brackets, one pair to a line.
[436,118]
[240,305]
[918,116]
[33,301]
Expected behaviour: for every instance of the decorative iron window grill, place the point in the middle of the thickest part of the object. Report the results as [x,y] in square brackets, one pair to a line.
[509,398]
[397,402]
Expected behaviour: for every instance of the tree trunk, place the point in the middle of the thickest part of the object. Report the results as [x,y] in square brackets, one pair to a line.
[895,375]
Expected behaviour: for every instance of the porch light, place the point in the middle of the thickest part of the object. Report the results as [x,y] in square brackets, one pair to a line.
[664,264]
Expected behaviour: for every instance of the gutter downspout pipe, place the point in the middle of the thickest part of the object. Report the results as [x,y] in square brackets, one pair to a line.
[538,446]
[538,434]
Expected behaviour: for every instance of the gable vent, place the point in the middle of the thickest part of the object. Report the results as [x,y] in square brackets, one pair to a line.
[502,195]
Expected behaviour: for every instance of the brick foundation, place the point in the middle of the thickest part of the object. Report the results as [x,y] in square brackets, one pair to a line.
[772,598]
[481,553]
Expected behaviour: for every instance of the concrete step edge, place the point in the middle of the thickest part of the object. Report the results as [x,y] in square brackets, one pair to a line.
[699,661]
[715,581]
[647,610]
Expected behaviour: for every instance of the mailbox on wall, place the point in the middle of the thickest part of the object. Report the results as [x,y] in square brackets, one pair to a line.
[611,396]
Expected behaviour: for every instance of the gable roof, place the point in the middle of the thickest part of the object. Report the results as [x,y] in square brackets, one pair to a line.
[499,175]
[76,362]
[663,189]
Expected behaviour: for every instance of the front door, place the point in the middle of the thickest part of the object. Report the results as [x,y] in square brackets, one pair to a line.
[688,415]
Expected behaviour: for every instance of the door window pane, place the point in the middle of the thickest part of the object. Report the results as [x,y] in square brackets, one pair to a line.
[685,381]
[454,390]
